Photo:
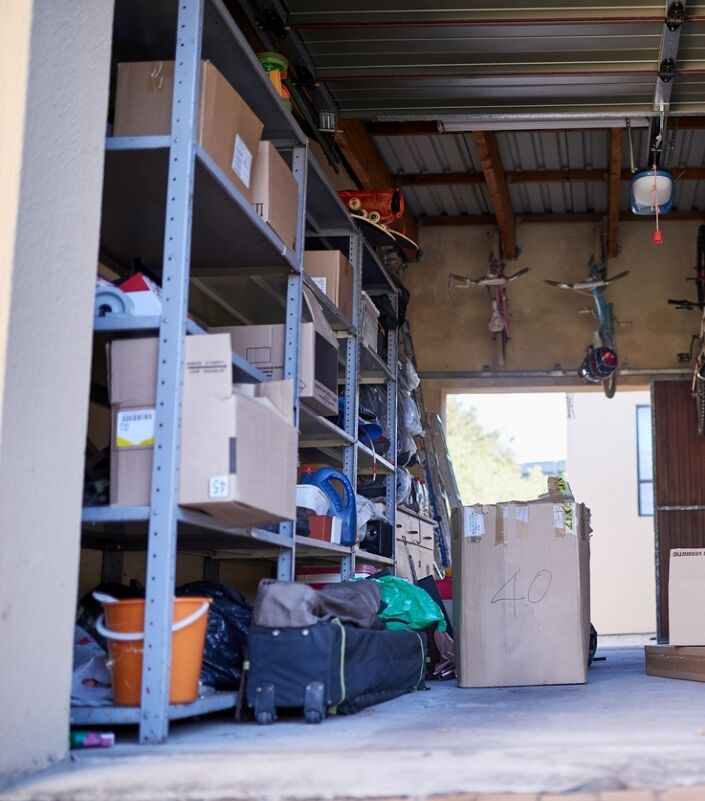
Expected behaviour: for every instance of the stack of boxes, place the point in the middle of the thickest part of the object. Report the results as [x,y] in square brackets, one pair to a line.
[238,452]
[238,443]
[228,132]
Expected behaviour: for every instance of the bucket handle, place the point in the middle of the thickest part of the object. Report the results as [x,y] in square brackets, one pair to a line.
[129,636]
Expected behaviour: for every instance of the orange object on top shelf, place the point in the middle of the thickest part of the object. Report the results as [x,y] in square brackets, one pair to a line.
[379,205]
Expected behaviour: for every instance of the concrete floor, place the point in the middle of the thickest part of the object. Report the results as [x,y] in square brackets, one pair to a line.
[621,730]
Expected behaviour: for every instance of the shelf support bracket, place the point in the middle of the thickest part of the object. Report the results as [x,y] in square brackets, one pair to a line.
[163,518]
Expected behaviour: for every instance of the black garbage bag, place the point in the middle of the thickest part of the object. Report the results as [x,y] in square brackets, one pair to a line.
[89,610]
[229,622]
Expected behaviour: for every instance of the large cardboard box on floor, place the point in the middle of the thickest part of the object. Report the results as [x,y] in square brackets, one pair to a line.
[228,130]
[521,592]
[275,193]
[686,596]
[238,451]
[334,276]
[263,346]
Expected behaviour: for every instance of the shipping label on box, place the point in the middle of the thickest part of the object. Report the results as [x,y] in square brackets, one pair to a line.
[134,428]
[473,521]
[242,161]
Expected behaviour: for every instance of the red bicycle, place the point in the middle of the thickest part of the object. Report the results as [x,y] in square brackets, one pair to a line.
[495,280]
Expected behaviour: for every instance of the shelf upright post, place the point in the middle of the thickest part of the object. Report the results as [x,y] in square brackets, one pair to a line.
[161,553]
[392,366]
[292,346]
[352,374]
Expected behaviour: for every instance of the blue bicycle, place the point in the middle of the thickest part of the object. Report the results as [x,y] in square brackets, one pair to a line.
[600,363]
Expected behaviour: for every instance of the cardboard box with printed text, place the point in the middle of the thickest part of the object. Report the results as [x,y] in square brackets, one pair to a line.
[686,596]
[238,449]
[263,346]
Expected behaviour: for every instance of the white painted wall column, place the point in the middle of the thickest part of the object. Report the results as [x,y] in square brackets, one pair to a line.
[54,80]
[602,471]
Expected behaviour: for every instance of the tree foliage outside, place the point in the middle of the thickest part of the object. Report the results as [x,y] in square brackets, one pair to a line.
[485,469]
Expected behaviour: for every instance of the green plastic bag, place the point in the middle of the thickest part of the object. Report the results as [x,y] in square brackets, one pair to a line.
[406,606]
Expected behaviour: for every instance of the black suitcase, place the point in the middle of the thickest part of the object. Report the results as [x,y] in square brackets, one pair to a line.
[330,668]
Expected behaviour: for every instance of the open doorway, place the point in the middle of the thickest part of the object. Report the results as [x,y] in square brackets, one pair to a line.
[503,447]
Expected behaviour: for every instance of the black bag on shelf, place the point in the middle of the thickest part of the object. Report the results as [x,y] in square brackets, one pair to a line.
[229,621]
[330,667]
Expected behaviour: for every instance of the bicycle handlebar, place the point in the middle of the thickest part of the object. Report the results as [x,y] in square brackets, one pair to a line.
[688,305]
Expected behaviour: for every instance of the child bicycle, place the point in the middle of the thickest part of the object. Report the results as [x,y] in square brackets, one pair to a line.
[697,343]
[600,363]
[496,282]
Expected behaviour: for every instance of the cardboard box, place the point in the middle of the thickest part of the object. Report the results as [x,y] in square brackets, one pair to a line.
[521,593]
[238,453]
[686,596]
[675,662]
[275,193]
[228,130]
[263,346]
[334,276]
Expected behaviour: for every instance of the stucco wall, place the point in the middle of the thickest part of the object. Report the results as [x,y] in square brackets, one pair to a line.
[546,328]
[54,70]
[602,471]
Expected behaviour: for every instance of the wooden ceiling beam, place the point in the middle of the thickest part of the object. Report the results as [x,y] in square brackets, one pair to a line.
[362,155]
[614,190]
[365,161]
[488,151]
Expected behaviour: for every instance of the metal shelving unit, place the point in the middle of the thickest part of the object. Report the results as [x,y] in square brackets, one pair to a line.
[330,226]
[167,201]
[126,715]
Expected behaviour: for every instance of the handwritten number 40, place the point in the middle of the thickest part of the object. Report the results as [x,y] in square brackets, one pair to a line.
[535,594]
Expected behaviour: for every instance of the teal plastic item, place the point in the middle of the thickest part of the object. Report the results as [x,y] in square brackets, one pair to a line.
[345,508]
[406,606]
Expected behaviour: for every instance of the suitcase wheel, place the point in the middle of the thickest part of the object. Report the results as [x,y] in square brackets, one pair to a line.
[314,703]
[264,704]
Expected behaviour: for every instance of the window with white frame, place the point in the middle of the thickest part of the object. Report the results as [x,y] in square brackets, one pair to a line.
[644,459]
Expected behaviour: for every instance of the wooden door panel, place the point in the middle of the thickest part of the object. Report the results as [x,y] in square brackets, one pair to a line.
[679,463]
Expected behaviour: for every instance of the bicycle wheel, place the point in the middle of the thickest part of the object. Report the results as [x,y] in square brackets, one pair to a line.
[700,268]
[609,385]
[500,341]
[699,394]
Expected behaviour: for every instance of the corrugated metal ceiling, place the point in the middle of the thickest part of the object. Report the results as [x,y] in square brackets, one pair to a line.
[522,152]
[386,59]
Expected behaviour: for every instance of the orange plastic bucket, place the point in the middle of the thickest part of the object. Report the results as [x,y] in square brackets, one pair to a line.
[124,630]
